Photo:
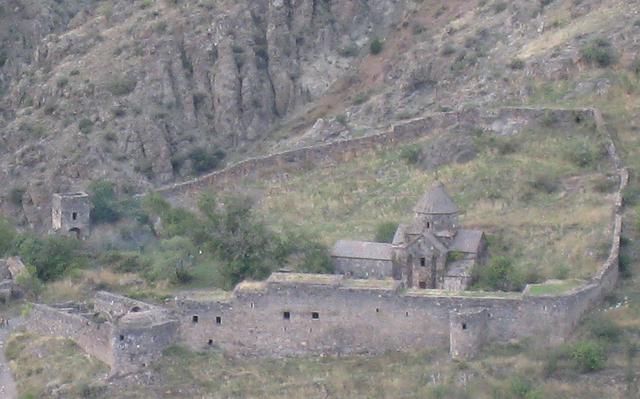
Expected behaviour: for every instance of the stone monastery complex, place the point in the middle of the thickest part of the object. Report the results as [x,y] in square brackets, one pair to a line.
[430,252]
[405,296]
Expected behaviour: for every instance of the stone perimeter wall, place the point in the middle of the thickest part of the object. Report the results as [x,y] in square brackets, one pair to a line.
[283,317]
[374,320]
[508,120]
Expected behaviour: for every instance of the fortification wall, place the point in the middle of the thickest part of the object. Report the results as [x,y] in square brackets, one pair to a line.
[291,315]
[368,320]
[94,338]
[503,121]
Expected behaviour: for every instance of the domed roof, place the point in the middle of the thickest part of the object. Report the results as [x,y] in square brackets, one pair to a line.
[436,201]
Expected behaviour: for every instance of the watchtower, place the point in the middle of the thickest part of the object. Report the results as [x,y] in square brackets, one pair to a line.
[70,214]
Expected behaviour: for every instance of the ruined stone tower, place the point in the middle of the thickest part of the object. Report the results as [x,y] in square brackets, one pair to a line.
[70,214]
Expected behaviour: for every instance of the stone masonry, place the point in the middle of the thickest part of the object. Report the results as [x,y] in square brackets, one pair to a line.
[293,314]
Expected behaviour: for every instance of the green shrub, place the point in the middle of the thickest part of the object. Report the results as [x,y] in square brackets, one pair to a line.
[517,63]
[16,194]
[7,237]
[448,49]
[499,7]
[52,257]
[121,86]
[588,356]
[583,152]
[603,327]
[203,160]
[499,274]
[376,46]
[62,82]
[106,207]
[85,125]
[385,232]
[411,154]
[598,52]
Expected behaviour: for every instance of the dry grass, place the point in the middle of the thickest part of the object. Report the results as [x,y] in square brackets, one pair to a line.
[555,234]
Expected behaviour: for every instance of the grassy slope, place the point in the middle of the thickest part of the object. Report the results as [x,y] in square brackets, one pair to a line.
[505,372]
[549,232]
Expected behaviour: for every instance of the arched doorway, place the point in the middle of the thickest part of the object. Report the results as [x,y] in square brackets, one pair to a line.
[75,232]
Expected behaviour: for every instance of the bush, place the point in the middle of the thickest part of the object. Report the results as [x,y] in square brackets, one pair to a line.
[385,232]
[448,49]
[51,257]
[499,274]
[122,86]
[517,63]
[15,196]
[588,356]
[203,160]
[603,327]
[85,125]
[583,152]
[376,46]
[411,154]
[499,7]
[62,82]
[105,204]
[7,236]
[598,52]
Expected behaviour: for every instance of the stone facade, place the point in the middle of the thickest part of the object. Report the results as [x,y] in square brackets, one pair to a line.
[430,252]
[123,333]
[294,314]
[71,213]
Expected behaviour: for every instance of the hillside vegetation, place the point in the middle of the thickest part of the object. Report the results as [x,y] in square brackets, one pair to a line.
[133,94]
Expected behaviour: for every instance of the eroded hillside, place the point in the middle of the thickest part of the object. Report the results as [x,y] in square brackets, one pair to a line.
[149,92]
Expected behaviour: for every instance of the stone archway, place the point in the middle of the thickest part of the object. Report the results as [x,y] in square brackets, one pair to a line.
[75,232]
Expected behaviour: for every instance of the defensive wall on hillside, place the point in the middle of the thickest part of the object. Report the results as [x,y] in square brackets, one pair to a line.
[296,314]
[293,314]
[503,121]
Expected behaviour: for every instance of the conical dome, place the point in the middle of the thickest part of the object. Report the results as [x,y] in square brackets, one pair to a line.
[436,201]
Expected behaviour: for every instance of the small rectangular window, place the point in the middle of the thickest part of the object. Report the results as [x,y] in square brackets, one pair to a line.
[315,315]
[122,338]
[210,342]
[286,315]
[74,215]
[423,262]
[422,284]
[194,319]
[464,326]
[218,320]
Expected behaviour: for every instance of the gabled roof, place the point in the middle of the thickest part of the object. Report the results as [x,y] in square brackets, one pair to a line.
[436,201]
[467,241]
[362,250]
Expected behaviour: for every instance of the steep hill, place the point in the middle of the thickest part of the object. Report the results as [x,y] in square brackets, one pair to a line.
[149,92]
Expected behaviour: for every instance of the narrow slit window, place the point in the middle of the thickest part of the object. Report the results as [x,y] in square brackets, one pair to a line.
[210,342]
[74,215]
[315,315]
[218,320]
[122,338]
[428,225]
[195,319]
[286,315]
[464,326]
[423,262]
[377,310]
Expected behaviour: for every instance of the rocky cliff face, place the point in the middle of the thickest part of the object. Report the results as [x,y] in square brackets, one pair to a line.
[147,92]
[128,90]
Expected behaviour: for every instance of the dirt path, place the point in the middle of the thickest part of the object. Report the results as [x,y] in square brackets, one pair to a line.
[7,383]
